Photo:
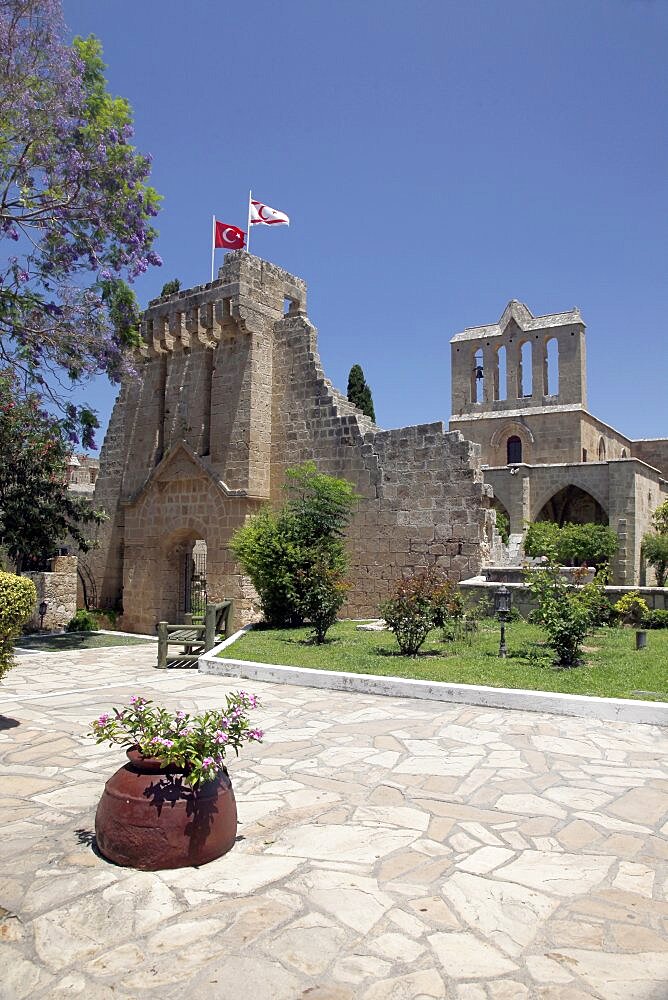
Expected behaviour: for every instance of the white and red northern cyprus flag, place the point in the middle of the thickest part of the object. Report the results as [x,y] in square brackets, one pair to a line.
[228,237]
[262,215]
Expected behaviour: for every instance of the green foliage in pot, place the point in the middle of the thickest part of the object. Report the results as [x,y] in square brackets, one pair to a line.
[18,598]
[195,744]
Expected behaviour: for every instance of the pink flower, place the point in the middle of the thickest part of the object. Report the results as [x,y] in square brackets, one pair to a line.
[134,699]
[220,737]
[180,715]
[255,734]
[208,762]
[187,731]
[103,720]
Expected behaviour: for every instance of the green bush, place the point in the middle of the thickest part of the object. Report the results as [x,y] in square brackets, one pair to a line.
[631,609]
[323,591]
[83,621]
[655,619]
[18,598]
[503,526]
[655,551]
[420,603]
[572,545]
[541,539]
[561,611]
[286,552]
[594,598]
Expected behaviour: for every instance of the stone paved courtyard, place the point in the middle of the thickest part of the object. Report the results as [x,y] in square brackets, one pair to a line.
[390,850]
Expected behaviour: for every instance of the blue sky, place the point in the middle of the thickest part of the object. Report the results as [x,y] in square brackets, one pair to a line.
[436,159]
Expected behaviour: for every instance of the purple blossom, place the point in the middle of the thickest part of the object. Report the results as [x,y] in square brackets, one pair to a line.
[208,762]
[255,734]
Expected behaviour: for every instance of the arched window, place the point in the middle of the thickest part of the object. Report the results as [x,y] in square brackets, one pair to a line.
[514,450]
[601,450]
[552,361]
[623,452]
[477,379]
[526,375]
[500,381]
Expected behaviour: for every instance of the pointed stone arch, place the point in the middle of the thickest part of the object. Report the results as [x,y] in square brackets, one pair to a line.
[570,503]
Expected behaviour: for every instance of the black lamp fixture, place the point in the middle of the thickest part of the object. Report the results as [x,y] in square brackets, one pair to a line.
[502,599]
[43,608]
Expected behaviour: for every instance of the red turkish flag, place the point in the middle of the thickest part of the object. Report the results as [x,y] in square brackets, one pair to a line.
[229,237]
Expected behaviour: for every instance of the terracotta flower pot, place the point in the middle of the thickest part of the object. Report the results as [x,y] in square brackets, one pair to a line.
[149,818]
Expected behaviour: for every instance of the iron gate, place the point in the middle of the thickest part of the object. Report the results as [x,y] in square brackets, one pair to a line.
[193,580]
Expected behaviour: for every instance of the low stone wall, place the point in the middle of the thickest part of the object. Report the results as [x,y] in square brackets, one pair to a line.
[59,589]
[478,589]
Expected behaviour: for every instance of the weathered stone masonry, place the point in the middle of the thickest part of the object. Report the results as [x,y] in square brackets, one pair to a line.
[231,393]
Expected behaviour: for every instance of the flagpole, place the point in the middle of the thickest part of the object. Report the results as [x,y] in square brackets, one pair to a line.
[248,224]
[213,241]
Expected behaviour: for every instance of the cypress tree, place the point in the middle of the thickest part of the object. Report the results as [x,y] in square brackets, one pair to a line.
[359,392]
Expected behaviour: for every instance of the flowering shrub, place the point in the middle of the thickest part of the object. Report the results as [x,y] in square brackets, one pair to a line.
[420,603]
[196,744]
[631,608]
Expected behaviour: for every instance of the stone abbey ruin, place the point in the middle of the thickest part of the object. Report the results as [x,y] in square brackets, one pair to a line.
[231,393]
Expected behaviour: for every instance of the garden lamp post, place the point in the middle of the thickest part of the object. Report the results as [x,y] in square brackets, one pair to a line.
[43,608]
[502,608]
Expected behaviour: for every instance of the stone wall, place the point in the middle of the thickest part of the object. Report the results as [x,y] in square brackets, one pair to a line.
[230,393]
[479,591]
[654,451]
[59,589]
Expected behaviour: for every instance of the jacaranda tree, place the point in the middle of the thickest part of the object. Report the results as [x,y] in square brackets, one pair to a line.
[75,212]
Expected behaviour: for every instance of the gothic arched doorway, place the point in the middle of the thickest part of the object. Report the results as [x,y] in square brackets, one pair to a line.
[572,505]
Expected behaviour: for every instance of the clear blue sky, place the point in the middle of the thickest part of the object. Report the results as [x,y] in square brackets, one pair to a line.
[436,158]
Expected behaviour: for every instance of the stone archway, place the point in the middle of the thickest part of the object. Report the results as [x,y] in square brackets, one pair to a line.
[181,583]
[572,504]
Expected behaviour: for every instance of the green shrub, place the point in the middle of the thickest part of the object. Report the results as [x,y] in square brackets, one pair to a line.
[420,603]
[541,539]
[287,551]
[561,611]
[503,526]
[655,551]
[631,609]
[572,545]
[594,598]
[323,591]
[655,619]
[18,598]
[83,621]
[170,287]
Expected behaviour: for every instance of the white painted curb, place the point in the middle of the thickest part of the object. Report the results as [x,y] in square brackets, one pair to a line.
[607,709]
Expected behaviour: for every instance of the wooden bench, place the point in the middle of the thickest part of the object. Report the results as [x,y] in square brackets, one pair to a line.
[195,637]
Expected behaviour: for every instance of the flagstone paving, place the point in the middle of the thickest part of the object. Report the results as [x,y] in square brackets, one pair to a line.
[389,850]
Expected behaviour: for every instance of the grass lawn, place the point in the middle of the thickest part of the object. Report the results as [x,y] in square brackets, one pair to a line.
[611,666]
[76,640]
